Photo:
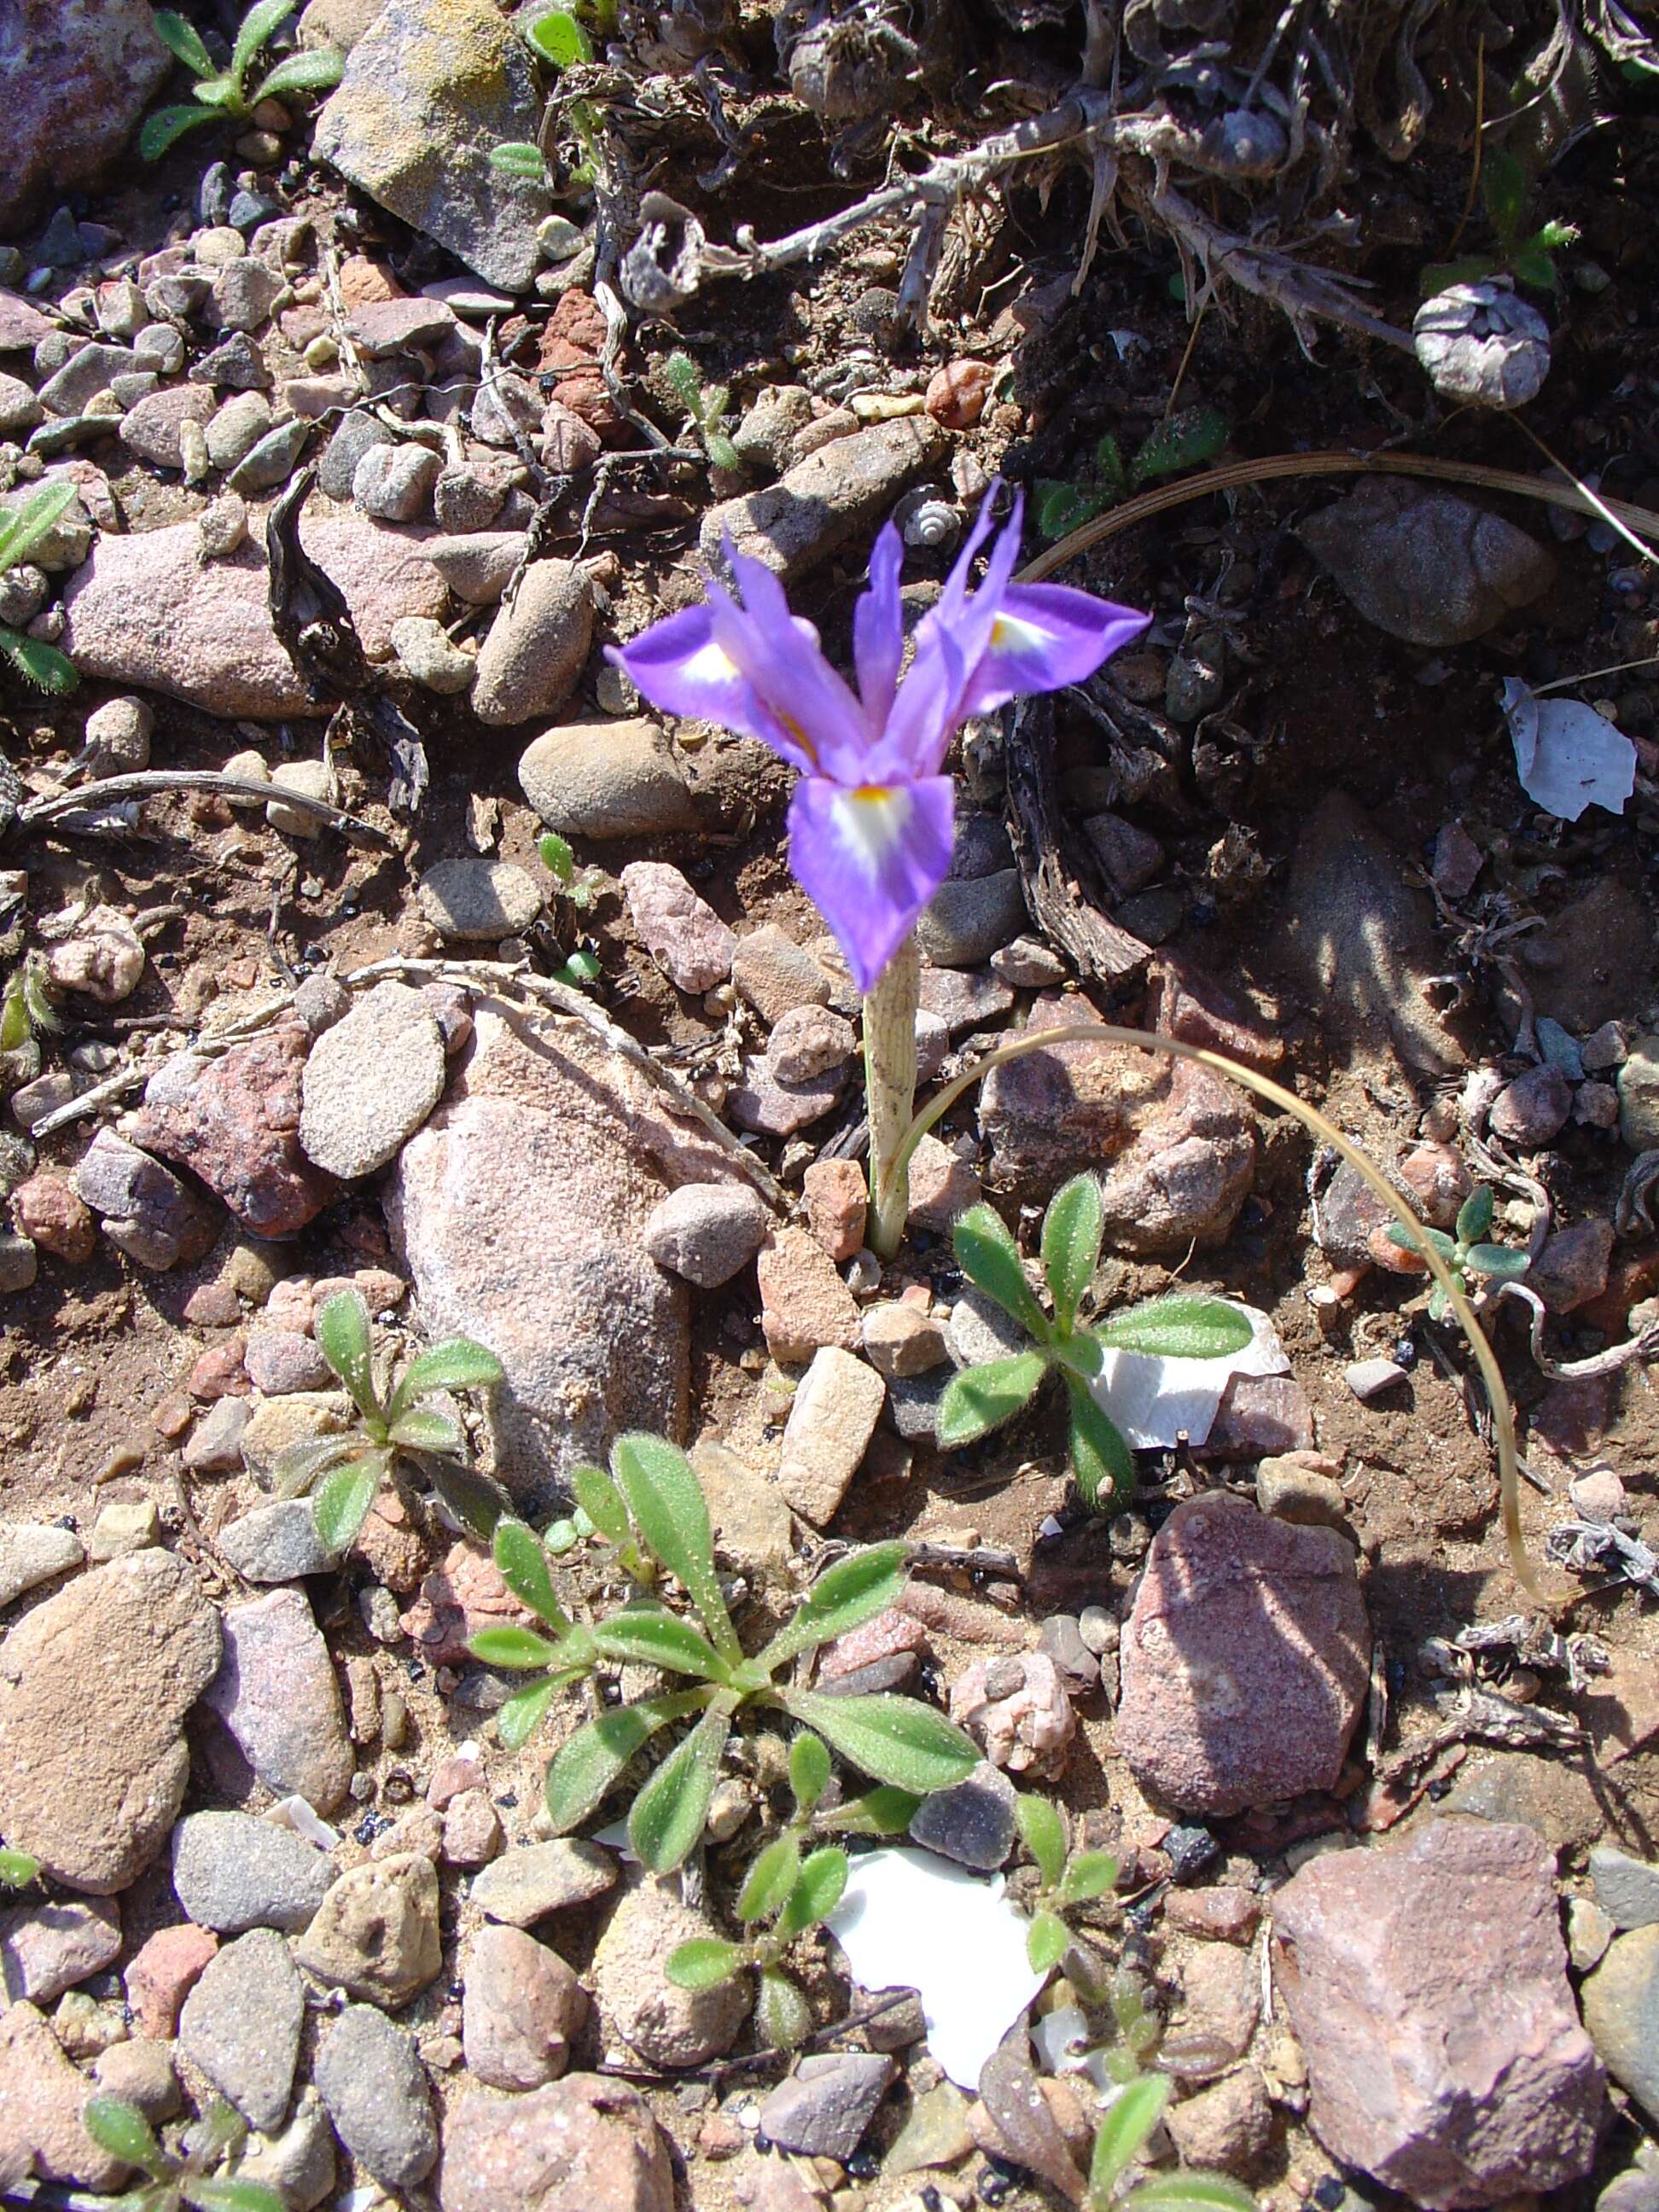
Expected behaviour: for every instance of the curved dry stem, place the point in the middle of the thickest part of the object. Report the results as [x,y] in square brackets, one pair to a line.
[1503,1412]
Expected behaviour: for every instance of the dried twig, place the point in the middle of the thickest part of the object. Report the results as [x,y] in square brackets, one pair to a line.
[59,808]
[1645,1346]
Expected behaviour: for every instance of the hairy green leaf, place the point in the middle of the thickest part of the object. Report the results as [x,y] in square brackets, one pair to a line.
[557,856]
[1071,1231]
[1123,2134]
[169,124]
[183,41]
[1413,1240]
[602,1502]
[424,1430]
[1179,1326]
[584,1770]
[1011,2094]
[517,157]
[883,1812]
[1190,2192]
[521,1560]
[704,1962]
[988,1256]
[1474,1215]
[296,1466]
[891,1739]
[782,2012]
[1089,1875]
[1108,460]
[670,1813]
[313,72]
[121,2130]
[456,1365]
[981,1399]
[521,1716]
[343,1499]
[263,18]
[1503,190]
[1103,1465]
[1047,1940]
[1042,1830]
[809,1769]
[508,1646]
[665,1502]
[766,1887]
[1553,237]
[558,38]
[23,524]
[1195,435]
[680,372]
[1502,1262]
[212,2193]
[1062,507]
[817,1891]
[17,1869]
[342,1333]
[855,1589]
[721,452]
[40,663]
[655,1637]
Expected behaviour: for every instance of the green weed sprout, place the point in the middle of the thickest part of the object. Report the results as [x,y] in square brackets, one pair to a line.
[981,1399]
[21,528]
[560,40]
[1068,1878]
[1121,2138]
[898,1741]
[1527,255]
[121,2130]
[580,887]
[27,1011]
[224,95]
[17,1869]
[1465,1251]
[1186,440]
[349,1470]
[784,1897]
[705,408]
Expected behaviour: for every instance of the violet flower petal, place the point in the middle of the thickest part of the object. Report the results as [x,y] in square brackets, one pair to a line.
[780,656]
[1045,636]
[870,859]
[677,666]
[879,631]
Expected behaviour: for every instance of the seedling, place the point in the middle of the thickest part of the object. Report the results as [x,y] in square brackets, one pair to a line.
[705,410]
[560,40]
[121,2130]
[1527,255]
[580,887]
[224,95]
[1466,1251]
[349,1470]
[783,1898]
[17,1869]
[26,1010]
[982,1398]
[21,528]
[1068,1878]
[898,1741]
[1185,441]
[1122,2137]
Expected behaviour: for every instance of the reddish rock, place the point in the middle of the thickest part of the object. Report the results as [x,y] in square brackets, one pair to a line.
[1261,1413]
[1244,1660]
[45,1949]
[677,928]
[1227,1913]
[46,1209]
[941,1186]
[219,1372]
[1182,1001]
[585,2144]
[520,2006]
[1427,1985]
[889,1635]
[75,77]
[957,393]
[458,1598]
[1571,1270]
[1533,1110]
[41,2100]
[1438,1181]
[837,1206]
[573,336]
[234,1121]
[804,1305]
[162,1973]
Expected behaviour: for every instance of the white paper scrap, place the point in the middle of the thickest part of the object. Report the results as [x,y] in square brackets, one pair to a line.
[1567,756]
[909,1920]
[1156,1401]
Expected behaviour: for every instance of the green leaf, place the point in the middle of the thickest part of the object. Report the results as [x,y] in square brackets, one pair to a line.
[313,72]
[981,1399]
[221,94]
[602,1502]
[422,1430]
[210,2193]
[766,1888]
[704,1962]
[24,526]
[521,1560]
[1088,1875]
[1124,2133]
[560,38]
[1046,1941]
[1474,1215]
[184,42]
[1071,1231]
[1063,506]
[17,1869]
[521,1716]
[1441,275]
[1196,434]
[666,1502]
[121,2130]
[782,2013]
[511,1647]
[1042,1830]
[681,374]
[1103,1465]
[579,970]
[258,25]
[516,157]
[477,1502]
[344,1336]
[883,1812]
[1501,1261]
[40,663]
[817,1891]
[670,1813]
[1108,460]
[655,1637]
[296,1466]
[891,1739]
[1190,2192]
[1503,190]
[988,1256]
[721,452]
[809,1769]
[1553,237]
[1178,1328]
[557,856]
[1410,1240]
[585,1769]
[457,1363]
[855,1589]
[341,1505]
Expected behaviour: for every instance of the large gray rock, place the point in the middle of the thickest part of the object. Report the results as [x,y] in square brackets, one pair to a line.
[429,89]
[276,1693]
[838,493]
[534,649]
[241,2023]
[618,779]
[1424,565]
[370,2077]
[232,1872]
[75,77]
[521,1207]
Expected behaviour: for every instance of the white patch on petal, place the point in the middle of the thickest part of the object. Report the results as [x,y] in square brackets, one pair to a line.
[1009,633]
[869,821]
[711,664]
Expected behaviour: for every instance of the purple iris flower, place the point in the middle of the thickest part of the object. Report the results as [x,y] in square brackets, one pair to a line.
[870,820]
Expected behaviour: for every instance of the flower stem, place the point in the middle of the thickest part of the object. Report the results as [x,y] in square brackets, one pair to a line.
[890,1084]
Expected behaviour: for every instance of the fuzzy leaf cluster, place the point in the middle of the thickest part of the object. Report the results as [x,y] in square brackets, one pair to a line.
[225,96]
[1186,440]
[169,2181]
[1467,1251]
[1528,255]
[22,527]
[1068,1878]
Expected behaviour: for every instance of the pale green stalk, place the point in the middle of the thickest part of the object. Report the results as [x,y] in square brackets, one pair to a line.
[890,1083]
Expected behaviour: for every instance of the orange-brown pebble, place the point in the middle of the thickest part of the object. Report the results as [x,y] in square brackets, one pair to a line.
[958,392]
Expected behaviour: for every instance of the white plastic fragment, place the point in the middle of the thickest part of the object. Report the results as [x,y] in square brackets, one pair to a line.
[909,1920]
[1156,1401]
[1567,756]
[294,1813]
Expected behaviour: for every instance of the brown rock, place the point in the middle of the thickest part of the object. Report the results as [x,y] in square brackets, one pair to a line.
[520,2006]
[46,1210]
[41,2100]
[45,1949]
[460,1596]
[1226,2128]
[804,1305]
[160,1973]
[376,1931]
[234,1121]
[1225,1913]
[666,2025]
[837,1205]
[1244,1660]
[584,2144]
[1388,1961]
[75,77]
[1018,1712]
[1424,565]
[957,393]
[276,1693]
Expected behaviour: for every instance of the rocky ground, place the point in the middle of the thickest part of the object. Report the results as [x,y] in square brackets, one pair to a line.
[1385,1831]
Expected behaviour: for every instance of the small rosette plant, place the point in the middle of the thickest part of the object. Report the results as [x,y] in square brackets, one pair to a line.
[22,527]
[392,1426]
[984,1397]
[897,1741]
[1067,1879]
[225,96]
[1466,1251]
[121,2130]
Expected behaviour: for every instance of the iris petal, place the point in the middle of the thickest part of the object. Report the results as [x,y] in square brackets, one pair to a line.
[677,666]
[781,657]
[1045,636]
[879,631]
[870,859]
